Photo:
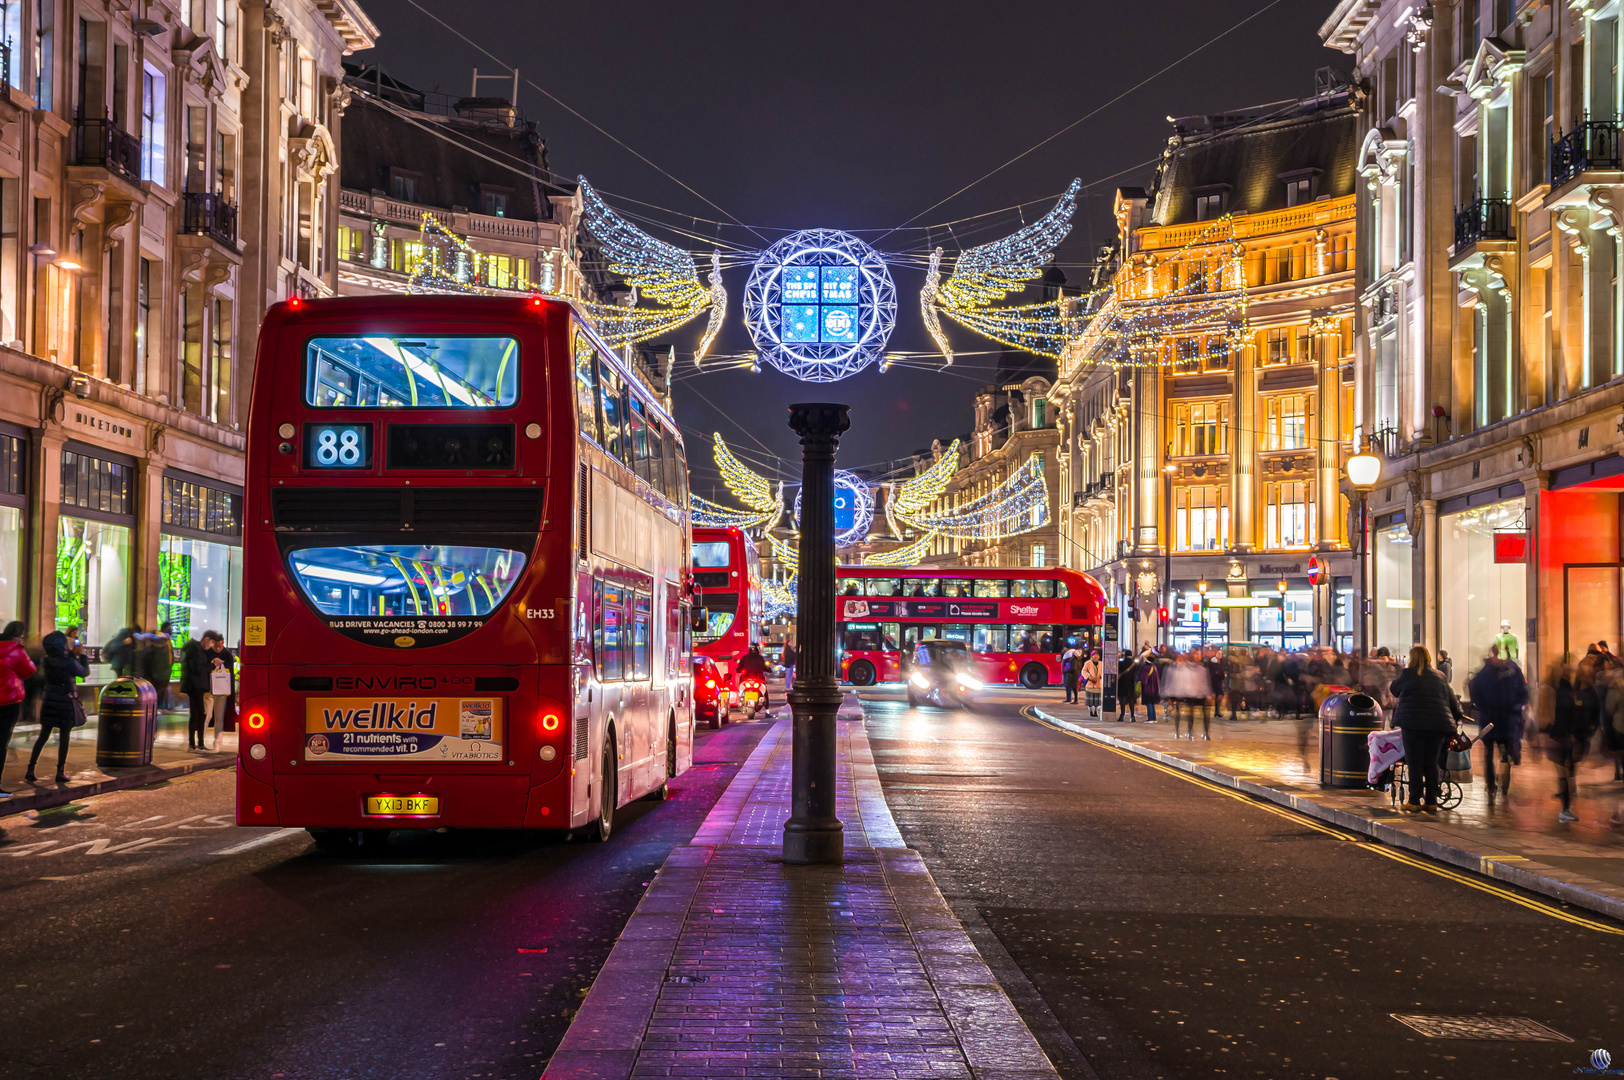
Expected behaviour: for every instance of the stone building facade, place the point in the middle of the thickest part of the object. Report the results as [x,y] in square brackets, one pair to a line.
[167,171]
[1490,337]
[1207,409]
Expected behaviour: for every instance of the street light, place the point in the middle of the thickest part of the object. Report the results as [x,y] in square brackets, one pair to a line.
[1201,587]
[1282,587]
[1364,472]
[1167,549]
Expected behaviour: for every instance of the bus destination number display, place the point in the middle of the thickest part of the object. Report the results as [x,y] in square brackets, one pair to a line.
[338,446]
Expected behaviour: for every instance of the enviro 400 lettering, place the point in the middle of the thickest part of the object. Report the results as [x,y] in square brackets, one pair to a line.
[382,716]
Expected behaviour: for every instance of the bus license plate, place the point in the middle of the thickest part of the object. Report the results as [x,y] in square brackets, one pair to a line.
[399,805]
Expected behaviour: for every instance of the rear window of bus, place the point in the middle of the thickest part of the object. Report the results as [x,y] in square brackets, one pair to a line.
[711,555]
[381,371]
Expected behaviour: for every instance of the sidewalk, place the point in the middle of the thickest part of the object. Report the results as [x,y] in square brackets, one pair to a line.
[170,759]
[735,964]
[1518,842]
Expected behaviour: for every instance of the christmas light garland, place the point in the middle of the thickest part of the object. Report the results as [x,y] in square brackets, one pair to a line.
[704,512]
[1018,505]
[663,272]
[908,555]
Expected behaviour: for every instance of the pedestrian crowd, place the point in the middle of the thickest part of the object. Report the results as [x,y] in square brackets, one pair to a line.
[1581,705]
[39,683]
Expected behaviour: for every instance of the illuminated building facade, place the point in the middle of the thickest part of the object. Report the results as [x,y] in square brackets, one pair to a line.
[167,171]
[1214,418]
[1490,344]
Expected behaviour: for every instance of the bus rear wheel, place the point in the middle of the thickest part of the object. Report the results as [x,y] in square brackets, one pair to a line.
[608,791]
[861,673]
[1033,677]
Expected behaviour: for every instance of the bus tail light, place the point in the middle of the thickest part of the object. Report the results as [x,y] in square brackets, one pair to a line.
[550,722]
[256,721]
[257,751]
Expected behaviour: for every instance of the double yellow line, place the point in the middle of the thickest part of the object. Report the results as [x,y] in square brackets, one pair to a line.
[1297,817]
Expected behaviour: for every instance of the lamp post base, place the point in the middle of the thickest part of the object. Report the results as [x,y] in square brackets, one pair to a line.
[813,834]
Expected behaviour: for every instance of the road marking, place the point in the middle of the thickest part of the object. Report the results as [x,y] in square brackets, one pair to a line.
[257,841]
[1365,844]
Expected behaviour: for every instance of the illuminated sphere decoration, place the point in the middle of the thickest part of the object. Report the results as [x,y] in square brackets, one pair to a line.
[820,305]
[854,509]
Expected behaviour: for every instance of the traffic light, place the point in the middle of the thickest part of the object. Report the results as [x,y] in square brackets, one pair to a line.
[1162,616]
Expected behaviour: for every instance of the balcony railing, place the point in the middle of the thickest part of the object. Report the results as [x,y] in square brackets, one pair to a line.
[1592,144]
[207,214]
[1483,219]
[1387,441]
[104,143]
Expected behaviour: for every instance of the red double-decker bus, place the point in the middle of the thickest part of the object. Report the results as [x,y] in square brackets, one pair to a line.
[466,586]
[1016,621]
[727,577]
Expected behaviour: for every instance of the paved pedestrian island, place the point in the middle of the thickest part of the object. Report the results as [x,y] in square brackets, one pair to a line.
[736,965]
[170,759]
[1518,841]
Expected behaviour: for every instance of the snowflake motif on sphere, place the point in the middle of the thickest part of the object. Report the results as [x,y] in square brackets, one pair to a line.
[820,305]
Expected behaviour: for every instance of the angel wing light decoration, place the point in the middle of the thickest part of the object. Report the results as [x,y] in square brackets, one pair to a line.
[661,272]
[985,276]
[1019,504]
[763,505]
[916,493]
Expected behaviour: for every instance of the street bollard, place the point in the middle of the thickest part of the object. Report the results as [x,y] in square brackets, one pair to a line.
[813,834]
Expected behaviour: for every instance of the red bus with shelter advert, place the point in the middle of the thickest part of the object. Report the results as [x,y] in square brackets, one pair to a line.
[467,572]
[1015,620]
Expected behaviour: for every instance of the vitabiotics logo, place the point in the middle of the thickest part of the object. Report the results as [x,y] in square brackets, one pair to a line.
[1600,1060]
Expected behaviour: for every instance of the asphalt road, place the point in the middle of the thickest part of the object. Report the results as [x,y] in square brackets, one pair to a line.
[1168,929]
[147,936]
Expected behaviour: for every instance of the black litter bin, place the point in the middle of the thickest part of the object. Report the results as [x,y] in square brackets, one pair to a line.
[126,723]
[1347,718]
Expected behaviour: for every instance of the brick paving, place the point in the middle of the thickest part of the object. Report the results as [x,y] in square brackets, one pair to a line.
[736,965]
[1517,840]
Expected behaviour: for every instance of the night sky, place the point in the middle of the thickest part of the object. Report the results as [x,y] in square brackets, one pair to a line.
[857,116]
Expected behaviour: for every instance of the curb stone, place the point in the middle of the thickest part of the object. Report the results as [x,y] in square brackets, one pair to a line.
[1524,874]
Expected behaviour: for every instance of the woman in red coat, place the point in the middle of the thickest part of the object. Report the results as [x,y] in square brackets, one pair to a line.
[15,666]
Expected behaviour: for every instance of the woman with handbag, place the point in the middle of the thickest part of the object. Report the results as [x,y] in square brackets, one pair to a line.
[60,708]
[1426,711]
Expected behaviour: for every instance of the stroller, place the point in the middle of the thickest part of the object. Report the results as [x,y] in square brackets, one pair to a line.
[1455,769]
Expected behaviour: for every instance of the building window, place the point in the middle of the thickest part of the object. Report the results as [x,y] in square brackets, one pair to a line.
[203,509]
[403,186]
[143,321]
[1277,346]
[507,272]
[1542,153]
[352,244]
[1208,207]
[1289,514]
[11,31]
[152,126]
[1040,555]
[220,363]
[307,87]
[495,202]
[1287,422]
[191,349]
[44,68]
[1299,192]
[1201,428]
[1200,518]
[405,255]
[97,484]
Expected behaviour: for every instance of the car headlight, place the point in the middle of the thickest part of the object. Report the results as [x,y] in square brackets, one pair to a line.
[919,680]
[970,683]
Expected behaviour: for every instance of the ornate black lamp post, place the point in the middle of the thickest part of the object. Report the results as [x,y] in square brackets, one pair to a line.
[813,834]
